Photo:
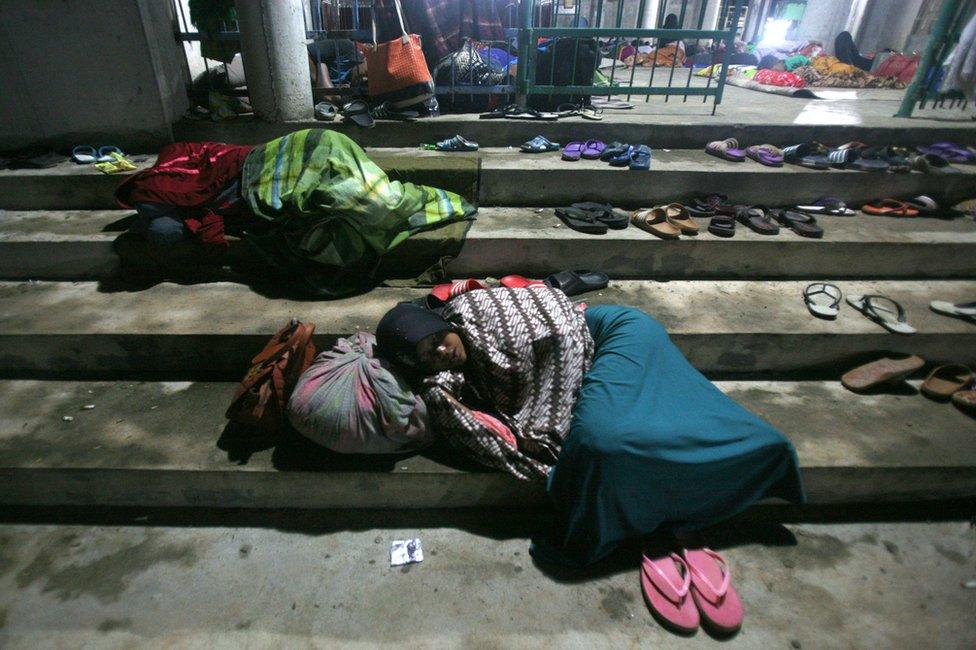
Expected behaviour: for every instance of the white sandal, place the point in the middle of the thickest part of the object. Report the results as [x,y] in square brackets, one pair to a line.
[823,300]
[880,309]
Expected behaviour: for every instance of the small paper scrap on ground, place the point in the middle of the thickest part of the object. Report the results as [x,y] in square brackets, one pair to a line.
[406,551]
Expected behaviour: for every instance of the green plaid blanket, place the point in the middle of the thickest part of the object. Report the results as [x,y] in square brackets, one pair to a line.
[333,213]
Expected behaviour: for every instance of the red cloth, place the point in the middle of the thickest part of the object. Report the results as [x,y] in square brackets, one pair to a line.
[189,175]
[779,78]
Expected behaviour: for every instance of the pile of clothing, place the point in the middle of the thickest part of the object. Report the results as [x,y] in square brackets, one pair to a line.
[311,204]
[831,72]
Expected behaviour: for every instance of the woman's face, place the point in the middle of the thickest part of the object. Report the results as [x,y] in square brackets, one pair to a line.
[442,351]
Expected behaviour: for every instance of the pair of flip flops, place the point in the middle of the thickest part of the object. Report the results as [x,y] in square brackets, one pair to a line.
[953,382]
[592,218]
[590,150]
[666,221]
[802,224]
[621,154]
[85,154]
[727,149]
[539,144]
[684,591]
[823,301]
[889,208]
[572,283]
[812,155]
[518,112]
[586,111]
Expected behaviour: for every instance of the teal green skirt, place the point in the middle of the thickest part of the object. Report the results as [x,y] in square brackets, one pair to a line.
[654,446]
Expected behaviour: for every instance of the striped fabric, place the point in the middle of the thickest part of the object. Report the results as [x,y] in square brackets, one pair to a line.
[330,205]
[528,350]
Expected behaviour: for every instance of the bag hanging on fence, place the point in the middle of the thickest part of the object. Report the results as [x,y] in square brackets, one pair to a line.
[554,67]
[397,71]
[261,397]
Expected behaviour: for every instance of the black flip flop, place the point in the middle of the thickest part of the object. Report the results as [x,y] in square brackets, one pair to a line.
[806,154]
[802,224]
[573,283]
[581,221]
[358,111]
[756,219]
[722,225]
[605,214]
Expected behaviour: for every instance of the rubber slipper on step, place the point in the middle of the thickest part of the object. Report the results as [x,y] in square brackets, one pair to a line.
[581,221]
[766,154]
[802,224]
[880,372]
[457,143]
[679,218]
[965,400]
[884,311]
[573,151]
[520,282]
[573,283]
[924,204]
[827,205]
[722,225]
[84,154]
[640,158]
[711,588]
[605,214]
[943,382]
[823,300]
[655,221]
[757,219]
[666,585]
[592,149]
[726,150]
[539,144]
[621,158]
[445,292]
[613,149]
[966,310]
[105,154]
[889,208]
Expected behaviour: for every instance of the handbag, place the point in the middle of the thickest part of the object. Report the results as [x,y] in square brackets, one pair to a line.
[397,71]
[261,397]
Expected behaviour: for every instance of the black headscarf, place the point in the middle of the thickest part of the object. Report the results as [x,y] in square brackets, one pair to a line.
[402,328]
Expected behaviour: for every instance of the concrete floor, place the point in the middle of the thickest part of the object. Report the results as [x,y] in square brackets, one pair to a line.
[804,586]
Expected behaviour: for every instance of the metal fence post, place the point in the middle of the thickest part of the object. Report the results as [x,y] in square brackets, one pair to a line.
[729,46]
[939,31]
[525,13]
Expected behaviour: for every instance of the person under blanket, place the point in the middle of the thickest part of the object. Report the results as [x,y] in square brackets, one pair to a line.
[630,438]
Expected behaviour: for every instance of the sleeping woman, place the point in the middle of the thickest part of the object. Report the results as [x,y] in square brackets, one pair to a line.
[629,436]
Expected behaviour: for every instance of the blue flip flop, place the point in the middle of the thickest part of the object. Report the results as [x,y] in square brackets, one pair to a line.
[539,144]
[105,153]
[622,158]
[640,159]
[84,154]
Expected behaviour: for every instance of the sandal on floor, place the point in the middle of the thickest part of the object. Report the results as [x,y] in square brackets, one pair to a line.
[943,382]
[802,224]
[655,221]
[457,143]
[445,292]
[828,205]
[581,221]
[592,149]
[757,219]
[573,151]
[640,158]
[807,154]
[722,225]
[358,111]
[766,154]
[711,588]
[726,150]
[965,400]
[539,144]
[924,204]
[520,282]
[666,585]
[966,310]
[880,372]
[823,300]
[889,208]
[679,218]
[884,311]
[605,214]
[573,283]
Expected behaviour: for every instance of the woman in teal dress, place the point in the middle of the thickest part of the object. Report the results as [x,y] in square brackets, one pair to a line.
[654,446]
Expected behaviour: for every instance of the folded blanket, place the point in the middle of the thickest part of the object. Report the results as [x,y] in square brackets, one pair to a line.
[333,213]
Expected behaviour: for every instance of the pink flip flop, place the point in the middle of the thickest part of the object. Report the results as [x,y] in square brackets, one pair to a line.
[520,282]
[445,292]
[712,590]
[666,592]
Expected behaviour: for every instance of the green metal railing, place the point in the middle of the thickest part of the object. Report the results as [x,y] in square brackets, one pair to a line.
[531,33]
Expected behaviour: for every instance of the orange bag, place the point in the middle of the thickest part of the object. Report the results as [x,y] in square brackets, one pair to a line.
[261,398]
[397,71]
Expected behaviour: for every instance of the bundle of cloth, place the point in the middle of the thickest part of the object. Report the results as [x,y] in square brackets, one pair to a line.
[778,78]
[672,54]
[831,72]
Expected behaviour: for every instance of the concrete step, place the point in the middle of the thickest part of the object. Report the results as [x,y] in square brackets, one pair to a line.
[167,444]
[685,130]
[82,245]
[169,331]
[509,178]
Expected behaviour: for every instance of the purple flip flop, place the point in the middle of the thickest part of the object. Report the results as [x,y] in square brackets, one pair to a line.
[726,150]
[766,154]
[593,149]
[952,152]
[573,151]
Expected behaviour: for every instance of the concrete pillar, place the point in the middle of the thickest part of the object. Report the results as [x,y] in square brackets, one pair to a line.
[650,14]
[711,14]
[275,58]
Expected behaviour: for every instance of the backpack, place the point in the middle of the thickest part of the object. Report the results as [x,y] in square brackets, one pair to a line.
[261,398]
[554,67]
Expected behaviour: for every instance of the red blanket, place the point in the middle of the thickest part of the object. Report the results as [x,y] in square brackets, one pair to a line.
[190,176]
